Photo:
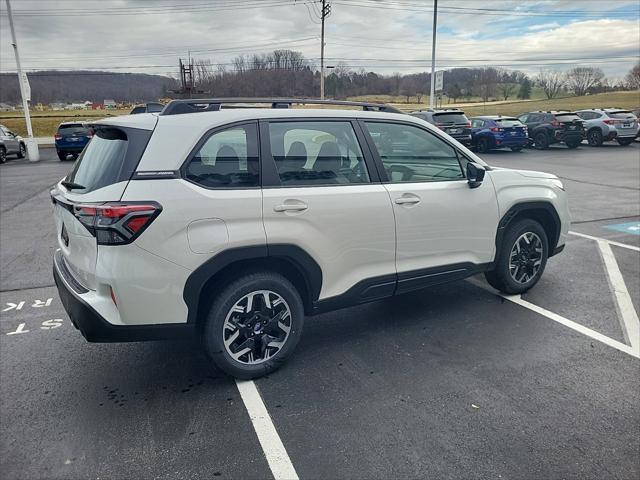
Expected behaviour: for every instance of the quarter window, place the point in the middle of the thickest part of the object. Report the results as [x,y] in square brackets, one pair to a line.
[317,153]
[227,159]
[410,154]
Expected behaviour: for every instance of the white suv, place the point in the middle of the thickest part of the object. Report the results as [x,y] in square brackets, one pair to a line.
[232,224]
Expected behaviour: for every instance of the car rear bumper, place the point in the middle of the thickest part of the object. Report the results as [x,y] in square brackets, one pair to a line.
[512,141]
[463,139]
[94,327]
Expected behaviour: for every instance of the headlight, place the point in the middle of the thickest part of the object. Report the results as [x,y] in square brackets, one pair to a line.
[558,183]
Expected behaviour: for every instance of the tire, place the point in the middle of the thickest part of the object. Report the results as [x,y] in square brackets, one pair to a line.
[3,155]
[625,141]
[22,151]
[573,145]
[594,137]
[483,145]
[516,149]
[503,277]
[541,141]
[255,330]
[62,156]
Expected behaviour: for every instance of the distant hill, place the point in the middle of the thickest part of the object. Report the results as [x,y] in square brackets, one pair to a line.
[78,86]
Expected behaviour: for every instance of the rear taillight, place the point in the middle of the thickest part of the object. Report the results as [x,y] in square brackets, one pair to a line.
[117,223]
[497,129]
[90,133]
[440,126]
[57,136]
[468,125]
[556,123]
[611,122]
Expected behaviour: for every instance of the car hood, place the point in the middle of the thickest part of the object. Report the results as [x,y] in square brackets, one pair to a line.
[527,173]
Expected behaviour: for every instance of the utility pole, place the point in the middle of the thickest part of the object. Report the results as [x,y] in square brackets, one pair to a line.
[326,10]
[433,54]
[32,146]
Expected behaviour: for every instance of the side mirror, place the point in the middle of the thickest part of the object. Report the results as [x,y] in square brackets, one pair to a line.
[475,174]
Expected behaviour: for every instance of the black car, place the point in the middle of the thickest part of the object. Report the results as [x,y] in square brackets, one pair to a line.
[547,128]
[451,120]
[151,107]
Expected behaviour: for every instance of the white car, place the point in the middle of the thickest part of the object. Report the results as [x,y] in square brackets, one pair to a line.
[232,224]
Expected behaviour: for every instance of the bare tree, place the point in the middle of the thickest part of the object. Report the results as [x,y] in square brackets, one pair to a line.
[486,83]
[581,79]
[633,77]
[506,90]
[551,82]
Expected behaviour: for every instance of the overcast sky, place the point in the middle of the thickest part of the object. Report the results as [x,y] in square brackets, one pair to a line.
[383,36]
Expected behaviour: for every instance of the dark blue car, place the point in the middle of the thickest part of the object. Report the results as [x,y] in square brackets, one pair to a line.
[495,131]
[71,139]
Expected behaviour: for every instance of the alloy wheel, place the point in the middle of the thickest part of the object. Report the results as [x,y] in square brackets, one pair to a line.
[525,258]
[256,327]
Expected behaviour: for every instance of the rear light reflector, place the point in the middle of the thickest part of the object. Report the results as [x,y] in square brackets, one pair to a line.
[117,223]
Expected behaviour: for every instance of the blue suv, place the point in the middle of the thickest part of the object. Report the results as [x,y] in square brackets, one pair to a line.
[495,131]
[71,139]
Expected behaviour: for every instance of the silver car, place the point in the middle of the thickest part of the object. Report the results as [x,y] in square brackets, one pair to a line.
[10,143]
[605,124]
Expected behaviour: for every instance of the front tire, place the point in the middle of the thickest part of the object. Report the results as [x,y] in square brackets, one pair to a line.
[254,325]
[625,141]
[573,145]
[3,155]
[22,151]
[522,258]
[483,145]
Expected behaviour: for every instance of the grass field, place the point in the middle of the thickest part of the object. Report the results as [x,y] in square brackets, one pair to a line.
[46,123]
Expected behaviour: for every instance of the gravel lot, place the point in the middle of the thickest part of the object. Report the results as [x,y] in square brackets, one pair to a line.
[452,382]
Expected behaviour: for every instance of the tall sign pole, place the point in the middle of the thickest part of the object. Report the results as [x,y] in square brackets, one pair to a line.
[25,92]
[432,93]
[326,10]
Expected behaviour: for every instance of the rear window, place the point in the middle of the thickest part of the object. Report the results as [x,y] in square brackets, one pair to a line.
[73,129]
[567,117]
[101,161]
[450,118]
[508,122]
[621,115]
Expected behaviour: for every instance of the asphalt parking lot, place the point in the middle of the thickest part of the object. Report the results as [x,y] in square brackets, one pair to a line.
[453,382]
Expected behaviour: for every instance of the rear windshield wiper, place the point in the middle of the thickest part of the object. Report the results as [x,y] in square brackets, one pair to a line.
[72,186]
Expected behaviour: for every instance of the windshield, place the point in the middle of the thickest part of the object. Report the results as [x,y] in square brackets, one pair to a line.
[75,129]
[457,117]
[567,117]
[508,122]
[100,163]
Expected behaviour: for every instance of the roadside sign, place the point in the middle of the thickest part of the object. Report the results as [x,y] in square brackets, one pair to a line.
[439,80]
[26,87]
[632,228]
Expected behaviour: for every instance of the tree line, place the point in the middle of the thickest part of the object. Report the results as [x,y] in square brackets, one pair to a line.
[287,73]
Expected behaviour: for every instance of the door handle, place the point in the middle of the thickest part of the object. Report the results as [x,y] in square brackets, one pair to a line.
[290,207]
[407,200]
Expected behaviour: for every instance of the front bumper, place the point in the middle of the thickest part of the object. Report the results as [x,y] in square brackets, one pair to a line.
[94,327]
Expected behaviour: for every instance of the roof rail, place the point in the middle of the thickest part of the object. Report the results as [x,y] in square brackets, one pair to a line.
[177,107]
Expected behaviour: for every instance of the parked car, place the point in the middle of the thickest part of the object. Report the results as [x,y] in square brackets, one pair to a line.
[450,120]
[547,128]
[11,144]
[151,107]
[71,138]
[496,131]
[605,124]
[234,236]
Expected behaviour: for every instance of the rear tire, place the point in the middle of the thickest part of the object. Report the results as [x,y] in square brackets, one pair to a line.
[625,141]
[3,155]
[541,141]
[62,156]
[594,137]
[573,145]
[516,149]
[22,151]
[519,265]
[268,330]
[483,145]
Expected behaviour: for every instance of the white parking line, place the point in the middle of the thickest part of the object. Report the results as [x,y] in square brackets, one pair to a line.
[610,242]
[277,457]
[517,299]
[624,306]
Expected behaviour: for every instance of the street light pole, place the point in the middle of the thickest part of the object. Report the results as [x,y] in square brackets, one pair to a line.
[32,146]
[326,10]
[433,54]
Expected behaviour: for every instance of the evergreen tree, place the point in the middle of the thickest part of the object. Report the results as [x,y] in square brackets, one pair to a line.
[525,89]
